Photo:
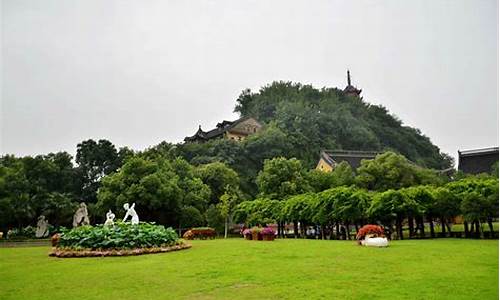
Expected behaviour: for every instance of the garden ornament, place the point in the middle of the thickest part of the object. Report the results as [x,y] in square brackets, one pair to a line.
[42,227]
[110,216]
[81,216]
[132,213]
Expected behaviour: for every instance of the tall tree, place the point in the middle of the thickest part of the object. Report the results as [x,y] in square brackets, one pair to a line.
[282,178]
[94,161]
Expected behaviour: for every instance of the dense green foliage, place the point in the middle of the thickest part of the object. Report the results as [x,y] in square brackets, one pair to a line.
[474,198]
[455,269]
[315,119]
[119,236]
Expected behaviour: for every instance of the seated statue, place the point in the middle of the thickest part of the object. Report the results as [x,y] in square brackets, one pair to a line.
[110,217]
[132,213]
[42,227]
[81,216]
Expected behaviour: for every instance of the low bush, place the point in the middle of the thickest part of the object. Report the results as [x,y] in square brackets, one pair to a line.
[200,233]
[119,236]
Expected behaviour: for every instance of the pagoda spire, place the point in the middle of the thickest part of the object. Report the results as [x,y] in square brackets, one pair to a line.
[349,89]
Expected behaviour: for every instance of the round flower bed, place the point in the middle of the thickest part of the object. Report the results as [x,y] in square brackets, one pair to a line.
[118,240]
[370,231]
[372,235]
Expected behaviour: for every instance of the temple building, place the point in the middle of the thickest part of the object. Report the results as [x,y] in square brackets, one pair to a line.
[328,159]
[233,130]
[349,89]
[478,160]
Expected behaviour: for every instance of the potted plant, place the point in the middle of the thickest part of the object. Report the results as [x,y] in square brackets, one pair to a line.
[256,233]
[247,233]
[268,234]
[372,235]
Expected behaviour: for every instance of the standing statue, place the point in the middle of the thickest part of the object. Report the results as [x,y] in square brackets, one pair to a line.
[42,227]
[110,216]
[131,212]
[81,216]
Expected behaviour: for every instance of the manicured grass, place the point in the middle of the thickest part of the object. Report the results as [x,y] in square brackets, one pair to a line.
[283,269]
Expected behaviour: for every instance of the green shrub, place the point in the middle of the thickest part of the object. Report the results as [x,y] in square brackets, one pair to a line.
[120,236]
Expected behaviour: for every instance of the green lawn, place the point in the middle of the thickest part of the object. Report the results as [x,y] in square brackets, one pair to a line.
[283,269]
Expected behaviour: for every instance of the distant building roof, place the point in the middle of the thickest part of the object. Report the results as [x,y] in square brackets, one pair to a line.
[477,160]
[219,130]
[352,157]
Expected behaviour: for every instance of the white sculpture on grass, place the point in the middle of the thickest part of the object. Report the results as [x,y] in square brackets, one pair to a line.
[81,216]
[110,217]
[42,227]
[375,242]
[132,213]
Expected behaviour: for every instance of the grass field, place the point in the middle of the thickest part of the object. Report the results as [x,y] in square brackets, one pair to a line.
[283,269]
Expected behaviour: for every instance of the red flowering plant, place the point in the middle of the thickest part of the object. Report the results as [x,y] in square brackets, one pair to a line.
[247,233]
[268,234]
[370,230]
[267,231]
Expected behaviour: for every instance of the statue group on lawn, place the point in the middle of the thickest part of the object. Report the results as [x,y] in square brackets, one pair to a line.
[81,216]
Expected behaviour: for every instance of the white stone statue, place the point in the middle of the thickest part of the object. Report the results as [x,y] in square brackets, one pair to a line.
[81,216]
[131,212]
[42,227]
[375,242]
[110,217]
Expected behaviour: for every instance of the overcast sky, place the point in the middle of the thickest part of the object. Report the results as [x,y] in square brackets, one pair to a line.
[140,72]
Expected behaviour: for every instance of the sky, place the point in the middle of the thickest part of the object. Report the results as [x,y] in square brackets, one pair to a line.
[141,72]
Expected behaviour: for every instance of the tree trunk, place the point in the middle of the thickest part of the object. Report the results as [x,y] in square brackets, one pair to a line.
[431,226]
[490,224]
[443,226]
[448,225]
[225,227]
[478,233]
[411,227]
[466,229]
[337,231]
[399,227]
[347,231]
[295,229]
[322,232]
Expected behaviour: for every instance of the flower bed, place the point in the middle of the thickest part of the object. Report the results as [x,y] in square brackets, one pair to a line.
[268,234]
[118,240]
[371,231]
[200,233]
[68,252]
[259,234]
[247,233]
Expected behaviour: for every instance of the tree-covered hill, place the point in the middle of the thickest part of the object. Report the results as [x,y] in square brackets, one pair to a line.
[327,118]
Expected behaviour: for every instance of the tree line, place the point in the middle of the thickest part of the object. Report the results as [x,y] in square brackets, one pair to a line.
[169,190]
